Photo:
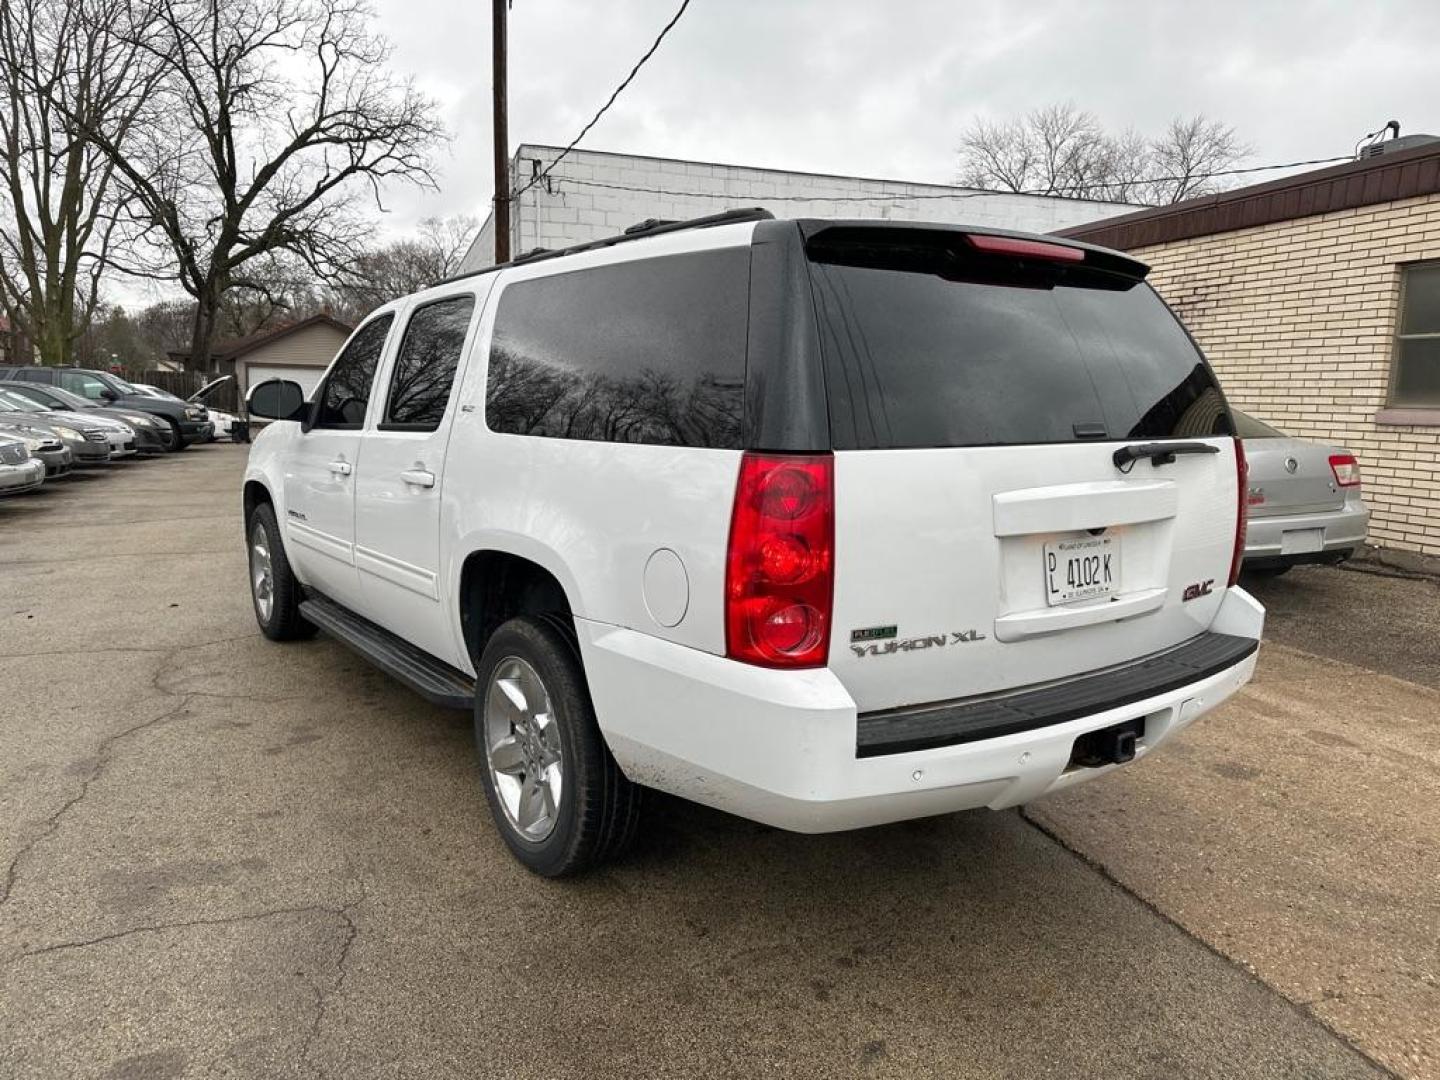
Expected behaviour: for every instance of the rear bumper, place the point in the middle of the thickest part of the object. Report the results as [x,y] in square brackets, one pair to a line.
[1325,537]
[781,747]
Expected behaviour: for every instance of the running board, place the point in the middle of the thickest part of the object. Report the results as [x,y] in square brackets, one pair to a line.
[434,680]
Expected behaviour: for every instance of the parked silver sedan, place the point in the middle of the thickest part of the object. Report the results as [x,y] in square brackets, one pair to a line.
[18,470]
[1304,498]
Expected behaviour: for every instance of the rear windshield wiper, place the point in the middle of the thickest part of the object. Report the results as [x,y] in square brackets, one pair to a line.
[1159,453]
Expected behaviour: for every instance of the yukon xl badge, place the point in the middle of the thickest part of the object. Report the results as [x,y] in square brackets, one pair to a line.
[928,641]
[1197,590]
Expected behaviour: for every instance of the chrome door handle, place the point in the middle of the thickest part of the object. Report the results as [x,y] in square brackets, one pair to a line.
[418,477]
[340,468]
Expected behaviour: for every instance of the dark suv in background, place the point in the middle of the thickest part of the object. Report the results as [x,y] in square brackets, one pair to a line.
[188,423]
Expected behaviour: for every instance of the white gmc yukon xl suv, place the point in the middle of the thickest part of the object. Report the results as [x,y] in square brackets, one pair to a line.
[823,523]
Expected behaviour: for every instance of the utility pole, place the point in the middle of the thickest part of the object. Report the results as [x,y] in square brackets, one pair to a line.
[502,135]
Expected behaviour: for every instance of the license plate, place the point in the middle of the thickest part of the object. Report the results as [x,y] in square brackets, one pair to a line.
[1081,569]
[1301,541]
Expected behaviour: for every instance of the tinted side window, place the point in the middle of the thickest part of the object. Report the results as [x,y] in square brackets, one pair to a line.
[425,366]
[642,352]
[347,390]
[87,386]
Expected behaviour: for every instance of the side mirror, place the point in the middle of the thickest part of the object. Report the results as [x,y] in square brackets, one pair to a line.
[58,406]
[275,399]
[106,394]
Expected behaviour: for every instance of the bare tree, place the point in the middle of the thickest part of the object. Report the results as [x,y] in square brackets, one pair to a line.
[408,264]
[446,240]
[272,120]
[60,73]
[1057,150]
[1062,150]
[1186,158]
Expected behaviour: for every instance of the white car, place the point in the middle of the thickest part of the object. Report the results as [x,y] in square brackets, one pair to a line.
[823,523]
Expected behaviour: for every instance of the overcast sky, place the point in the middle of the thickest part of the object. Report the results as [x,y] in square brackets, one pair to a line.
[884,89]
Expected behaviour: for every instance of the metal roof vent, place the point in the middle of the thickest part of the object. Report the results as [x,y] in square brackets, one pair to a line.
[1400,142]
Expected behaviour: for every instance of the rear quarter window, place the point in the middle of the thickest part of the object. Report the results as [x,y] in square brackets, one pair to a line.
[651,351]
[926,344]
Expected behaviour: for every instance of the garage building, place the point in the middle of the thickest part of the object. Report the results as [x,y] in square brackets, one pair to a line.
[301,352]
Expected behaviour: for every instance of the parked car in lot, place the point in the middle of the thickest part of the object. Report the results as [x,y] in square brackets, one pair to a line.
[89,441]
[18,470]
[226,425]
[152,435]
[189,423]
[1304,500]
[823,523]
[44,446]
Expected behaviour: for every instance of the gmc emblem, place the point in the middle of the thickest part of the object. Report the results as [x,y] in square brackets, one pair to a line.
[1199,589]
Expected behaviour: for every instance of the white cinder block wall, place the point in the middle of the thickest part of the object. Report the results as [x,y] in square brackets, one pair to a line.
[593,194]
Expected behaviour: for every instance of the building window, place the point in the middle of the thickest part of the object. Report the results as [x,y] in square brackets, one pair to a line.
[1417,346]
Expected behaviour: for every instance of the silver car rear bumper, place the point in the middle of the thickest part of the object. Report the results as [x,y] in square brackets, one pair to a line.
[1326,536]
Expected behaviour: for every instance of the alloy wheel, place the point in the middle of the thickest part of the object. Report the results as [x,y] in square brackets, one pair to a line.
[523,748]
[262,576]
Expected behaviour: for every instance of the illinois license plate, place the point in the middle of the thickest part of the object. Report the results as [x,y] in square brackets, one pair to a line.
[1081,569]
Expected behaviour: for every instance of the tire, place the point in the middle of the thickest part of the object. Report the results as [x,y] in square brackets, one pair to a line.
[597,811]
[282,620]
[179,443]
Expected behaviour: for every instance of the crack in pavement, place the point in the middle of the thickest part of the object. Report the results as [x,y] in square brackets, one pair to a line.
[1302,1008]
[104,753]
[157,928]
[52,823]
[140,649]
[322,997]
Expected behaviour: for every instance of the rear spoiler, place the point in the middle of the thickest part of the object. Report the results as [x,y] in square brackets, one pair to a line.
[1031,247]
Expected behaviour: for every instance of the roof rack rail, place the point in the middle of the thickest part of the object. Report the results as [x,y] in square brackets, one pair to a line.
[649,227]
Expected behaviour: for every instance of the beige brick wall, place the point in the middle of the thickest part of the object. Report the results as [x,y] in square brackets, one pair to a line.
[1299,319]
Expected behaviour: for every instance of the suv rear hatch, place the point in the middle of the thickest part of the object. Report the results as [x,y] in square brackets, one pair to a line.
[986,539]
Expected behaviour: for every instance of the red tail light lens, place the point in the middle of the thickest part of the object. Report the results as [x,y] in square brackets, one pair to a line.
[779,574]
[1346,469]
[1242,513]
[1026,249]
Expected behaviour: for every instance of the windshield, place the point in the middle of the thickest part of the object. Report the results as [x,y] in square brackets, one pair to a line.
[117,383]
[50,396]
[1247,427]
[930,344]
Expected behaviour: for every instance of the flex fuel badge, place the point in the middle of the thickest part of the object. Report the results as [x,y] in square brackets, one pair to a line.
[873,633]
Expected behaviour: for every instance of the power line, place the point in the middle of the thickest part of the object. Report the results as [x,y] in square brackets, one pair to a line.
[585,130]
[900,196]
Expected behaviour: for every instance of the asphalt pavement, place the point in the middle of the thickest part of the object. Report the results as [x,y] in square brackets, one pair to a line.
[227,857]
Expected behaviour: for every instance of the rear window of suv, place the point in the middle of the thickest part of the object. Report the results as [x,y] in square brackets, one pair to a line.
[928,343]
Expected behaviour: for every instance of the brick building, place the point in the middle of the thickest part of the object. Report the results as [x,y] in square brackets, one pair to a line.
[594,194]
[1317,299]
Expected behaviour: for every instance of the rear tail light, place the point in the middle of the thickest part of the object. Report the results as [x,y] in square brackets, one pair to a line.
[1242,513]
[1346,469]
[1027,249]
[779,573]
